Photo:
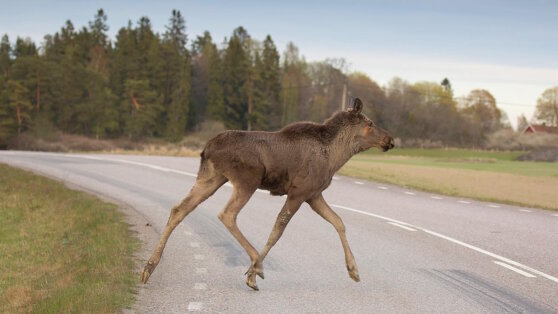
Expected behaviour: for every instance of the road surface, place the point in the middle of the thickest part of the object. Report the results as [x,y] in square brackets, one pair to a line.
[416,252]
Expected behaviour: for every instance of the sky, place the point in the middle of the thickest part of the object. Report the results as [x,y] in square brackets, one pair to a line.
[509,48]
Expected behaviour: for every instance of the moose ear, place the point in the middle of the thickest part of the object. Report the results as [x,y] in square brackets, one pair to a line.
[357,106]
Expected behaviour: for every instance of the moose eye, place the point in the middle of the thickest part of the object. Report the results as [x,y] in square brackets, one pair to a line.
[371,124]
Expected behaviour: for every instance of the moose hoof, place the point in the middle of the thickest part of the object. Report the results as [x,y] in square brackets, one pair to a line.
[251,281]
[146,272]
[354,275]
[255,271]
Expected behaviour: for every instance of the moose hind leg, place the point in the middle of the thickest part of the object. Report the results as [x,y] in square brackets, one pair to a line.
[287,212]
[320,206]
[228,215]
[203,188]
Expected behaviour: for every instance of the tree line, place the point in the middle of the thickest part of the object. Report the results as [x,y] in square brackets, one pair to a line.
[145,84]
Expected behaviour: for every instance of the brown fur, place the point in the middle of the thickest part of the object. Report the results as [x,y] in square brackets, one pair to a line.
[299,160]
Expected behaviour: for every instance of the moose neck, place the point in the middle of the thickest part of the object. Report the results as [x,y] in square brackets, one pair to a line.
[341,149]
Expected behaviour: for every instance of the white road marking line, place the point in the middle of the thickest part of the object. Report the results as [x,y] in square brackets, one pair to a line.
[201,270]
[464,202]
[335,178]
[124,161]
[200,286]
[188,233]
[472,247]
[493,206]
[517,270]
[410,193]
[194,244]
[199,257]
[370,214]
[493,255]
[555,215]
[359,183]
[436,197]
[469,246]
[382,187]
[525,210]
[401,226]
[195,306]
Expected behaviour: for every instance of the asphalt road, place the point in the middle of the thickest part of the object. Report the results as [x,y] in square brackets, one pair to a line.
[416,252]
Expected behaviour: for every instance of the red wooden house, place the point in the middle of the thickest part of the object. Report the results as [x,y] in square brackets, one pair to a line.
[540,128]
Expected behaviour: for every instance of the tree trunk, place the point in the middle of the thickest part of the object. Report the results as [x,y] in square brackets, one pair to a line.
[38,93]
[250,102]
[19,120]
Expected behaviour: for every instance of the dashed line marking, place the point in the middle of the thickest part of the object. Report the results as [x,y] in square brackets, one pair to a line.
[188,233]
[401,226]
[436,197]
[493,206]
[201,270]
[194,244]
[200,286]
[517,270]
[450,239]
[199,257]
[359,183]
[464,202]
[382,187]
[335,178]
[555,215]
[410,193]
[195,306]
[525,210]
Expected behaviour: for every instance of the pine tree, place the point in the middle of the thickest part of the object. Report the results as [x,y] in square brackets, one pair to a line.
[5,58]
[177,70]
[215,98]
[269,87]
[101,115]
[236,71]
[202,50]
[99,29]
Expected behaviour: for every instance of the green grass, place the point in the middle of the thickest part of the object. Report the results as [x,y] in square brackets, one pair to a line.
[448,154]
[484,175]
[62,250]
[496,161]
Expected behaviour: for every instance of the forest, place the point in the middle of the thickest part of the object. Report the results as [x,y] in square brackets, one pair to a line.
[146,85]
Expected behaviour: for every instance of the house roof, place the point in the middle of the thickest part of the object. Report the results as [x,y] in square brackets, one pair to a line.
[539,128]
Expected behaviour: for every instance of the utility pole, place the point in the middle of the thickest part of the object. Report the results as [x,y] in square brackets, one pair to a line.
[344,99]
[250,87]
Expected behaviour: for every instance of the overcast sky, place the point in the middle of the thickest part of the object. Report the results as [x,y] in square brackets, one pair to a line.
[507,47]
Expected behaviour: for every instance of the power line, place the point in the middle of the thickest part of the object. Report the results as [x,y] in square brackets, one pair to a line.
[405,90]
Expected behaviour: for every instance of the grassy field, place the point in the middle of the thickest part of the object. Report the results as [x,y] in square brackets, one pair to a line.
[61,250]
[484,175]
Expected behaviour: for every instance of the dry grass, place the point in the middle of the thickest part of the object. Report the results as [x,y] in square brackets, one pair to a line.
[501,185]
[62,250]
[158,150]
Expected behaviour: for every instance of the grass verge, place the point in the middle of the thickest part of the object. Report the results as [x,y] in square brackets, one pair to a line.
[484,175]
[62,250]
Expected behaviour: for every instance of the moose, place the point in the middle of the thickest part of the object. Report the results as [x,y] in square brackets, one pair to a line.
[299,161]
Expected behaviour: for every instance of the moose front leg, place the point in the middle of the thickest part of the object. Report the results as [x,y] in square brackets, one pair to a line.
[320,206]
